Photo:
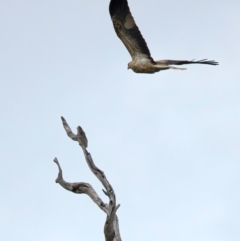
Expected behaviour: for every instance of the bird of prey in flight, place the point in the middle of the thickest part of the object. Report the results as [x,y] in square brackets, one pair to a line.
[128,32]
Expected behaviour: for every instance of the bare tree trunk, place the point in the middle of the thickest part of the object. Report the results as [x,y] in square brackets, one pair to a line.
[111,227]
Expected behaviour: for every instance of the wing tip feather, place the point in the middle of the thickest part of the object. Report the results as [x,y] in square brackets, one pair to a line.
[205,61]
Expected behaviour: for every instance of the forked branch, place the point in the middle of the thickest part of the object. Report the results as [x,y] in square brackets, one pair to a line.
[111,227]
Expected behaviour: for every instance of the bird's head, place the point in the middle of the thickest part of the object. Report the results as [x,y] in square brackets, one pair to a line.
[130,65]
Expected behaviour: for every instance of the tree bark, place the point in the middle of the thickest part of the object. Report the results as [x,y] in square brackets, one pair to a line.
[111,227]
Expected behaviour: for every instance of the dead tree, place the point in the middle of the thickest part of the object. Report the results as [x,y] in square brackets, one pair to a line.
[111,227]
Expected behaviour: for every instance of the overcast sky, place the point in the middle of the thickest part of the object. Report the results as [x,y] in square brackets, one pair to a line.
[168,142]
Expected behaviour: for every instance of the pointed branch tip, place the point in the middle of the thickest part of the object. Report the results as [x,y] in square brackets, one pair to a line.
[105,192]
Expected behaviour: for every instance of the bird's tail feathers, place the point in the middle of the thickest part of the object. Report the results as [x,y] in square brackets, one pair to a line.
[172,67]
[164,67]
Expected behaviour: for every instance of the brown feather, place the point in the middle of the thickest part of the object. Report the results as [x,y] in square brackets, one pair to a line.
[127,29]
[180,62]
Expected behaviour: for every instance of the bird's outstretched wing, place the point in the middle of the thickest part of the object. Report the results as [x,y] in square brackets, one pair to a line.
[127,29]
[180,62]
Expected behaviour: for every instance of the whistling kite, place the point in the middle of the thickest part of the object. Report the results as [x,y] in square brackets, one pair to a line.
[128,32]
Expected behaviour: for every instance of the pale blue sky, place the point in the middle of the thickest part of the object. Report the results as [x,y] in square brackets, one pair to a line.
[168,142]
